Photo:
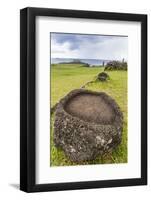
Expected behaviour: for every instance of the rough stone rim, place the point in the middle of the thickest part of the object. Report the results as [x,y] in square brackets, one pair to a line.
[118,114]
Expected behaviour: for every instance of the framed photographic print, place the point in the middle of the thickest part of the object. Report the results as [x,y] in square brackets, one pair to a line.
[83,99]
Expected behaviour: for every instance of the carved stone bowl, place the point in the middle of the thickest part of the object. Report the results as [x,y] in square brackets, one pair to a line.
[87,124]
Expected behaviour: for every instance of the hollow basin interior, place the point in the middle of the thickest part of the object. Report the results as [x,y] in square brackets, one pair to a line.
[90,108]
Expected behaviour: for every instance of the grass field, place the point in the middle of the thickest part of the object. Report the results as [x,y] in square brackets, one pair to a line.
[66,77]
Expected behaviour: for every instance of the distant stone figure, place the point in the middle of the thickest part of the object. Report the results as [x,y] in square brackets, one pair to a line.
[103,76]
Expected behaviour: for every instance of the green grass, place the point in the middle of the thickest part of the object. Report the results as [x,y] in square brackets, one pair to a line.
[66,77]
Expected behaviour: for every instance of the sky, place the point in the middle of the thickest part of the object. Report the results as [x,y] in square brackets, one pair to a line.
[66,45]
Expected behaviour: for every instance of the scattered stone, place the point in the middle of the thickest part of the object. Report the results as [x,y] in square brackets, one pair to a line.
[87,124]
[103,76]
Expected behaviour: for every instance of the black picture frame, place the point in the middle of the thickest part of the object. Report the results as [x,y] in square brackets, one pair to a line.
[28,99]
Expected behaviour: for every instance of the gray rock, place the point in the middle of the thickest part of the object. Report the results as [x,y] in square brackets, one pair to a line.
[87,124]
[103,76]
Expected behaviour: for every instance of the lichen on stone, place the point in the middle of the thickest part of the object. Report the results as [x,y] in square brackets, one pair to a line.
[79,128]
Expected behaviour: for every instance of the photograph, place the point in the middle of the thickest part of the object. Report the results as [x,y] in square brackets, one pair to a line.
[83,99]
[88,99]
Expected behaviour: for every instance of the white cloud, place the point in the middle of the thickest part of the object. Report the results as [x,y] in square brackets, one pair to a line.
[114,48]
[62,50]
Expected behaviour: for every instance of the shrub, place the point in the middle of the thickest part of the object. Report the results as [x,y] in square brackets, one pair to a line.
[116,65]
[86,65]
